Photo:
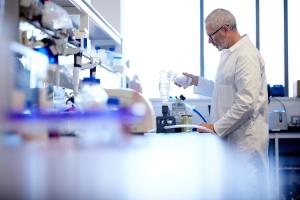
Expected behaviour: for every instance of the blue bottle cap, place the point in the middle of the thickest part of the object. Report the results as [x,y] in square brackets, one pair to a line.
[113,101]
[91,80]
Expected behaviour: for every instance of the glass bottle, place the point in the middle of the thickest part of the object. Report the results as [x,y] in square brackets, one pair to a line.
[164,87]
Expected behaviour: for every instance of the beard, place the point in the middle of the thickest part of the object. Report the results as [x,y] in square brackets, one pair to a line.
[222,46]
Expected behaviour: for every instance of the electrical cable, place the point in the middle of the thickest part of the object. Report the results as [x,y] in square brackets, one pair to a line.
[280,103]
[198,113]
[182,98]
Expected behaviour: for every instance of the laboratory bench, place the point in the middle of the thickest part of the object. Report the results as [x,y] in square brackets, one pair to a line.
[153,166]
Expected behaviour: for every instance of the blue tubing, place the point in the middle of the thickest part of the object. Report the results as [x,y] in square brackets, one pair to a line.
[198,113]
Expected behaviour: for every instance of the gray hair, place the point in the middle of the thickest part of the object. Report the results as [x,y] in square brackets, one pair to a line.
[220,17]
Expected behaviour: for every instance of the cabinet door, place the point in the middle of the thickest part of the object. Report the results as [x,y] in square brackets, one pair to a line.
[289,168]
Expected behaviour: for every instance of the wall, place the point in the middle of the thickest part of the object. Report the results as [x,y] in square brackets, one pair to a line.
[110,10]
[8,33]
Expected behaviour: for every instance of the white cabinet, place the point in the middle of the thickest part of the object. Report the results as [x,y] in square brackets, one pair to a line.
[284,154]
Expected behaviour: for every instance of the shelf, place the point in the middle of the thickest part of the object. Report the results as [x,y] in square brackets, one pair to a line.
[66,80]
[284,135]
[99,28]
[289,168]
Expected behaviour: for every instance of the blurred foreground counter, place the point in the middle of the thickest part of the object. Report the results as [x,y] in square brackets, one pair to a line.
[154,166]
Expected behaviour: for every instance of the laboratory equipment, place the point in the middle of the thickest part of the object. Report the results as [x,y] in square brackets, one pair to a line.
[181,108]
[178,109]
[284,114]
[278,120]
[139,105]
[165,120]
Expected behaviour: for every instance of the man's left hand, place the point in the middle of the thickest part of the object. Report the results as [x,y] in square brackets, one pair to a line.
[206,125]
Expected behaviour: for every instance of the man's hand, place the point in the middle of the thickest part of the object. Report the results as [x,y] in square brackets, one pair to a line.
[186,80]
[193,77]
[206,125]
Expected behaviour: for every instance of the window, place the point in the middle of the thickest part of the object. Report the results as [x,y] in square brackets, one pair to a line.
[244,12]
[293,38]
[271,40]
[166,35]
[161,35]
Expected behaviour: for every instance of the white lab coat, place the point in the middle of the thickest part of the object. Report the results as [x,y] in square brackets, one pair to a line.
[239,101]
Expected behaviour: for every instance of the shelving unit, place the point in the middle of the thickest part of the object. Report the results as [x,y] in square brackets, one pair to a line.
[100,33]
[28,107]
[99,28]
[84,16]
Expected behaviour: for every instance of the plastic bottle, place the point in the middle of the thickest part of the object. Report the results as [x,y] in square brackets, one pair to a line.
[91,95]
[104,128]
[180,79]
[113,103]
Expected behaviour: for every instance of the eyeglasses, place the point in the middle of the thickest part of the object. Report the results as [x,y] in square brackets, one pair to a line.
[212,34]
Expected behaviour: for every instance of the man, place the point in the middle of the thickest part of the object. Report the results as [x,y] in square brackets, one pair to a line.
[239,93]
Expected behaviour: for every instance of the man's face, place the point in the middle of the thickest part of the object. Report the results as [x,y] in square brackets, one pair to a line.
[216,36]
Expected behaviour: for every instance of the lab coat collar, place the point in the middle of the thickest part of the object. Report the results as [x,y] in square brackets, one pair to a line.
[242,41]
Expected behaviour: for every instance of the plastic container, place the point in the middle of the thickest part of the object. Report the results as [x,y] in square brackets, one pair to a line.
[180,79]
[91,96]
[117,60]
[113,103]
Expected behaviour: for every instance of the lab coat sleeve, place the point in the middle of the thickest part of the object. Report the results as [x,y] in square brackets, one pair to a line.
[205,87]
[247,83]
